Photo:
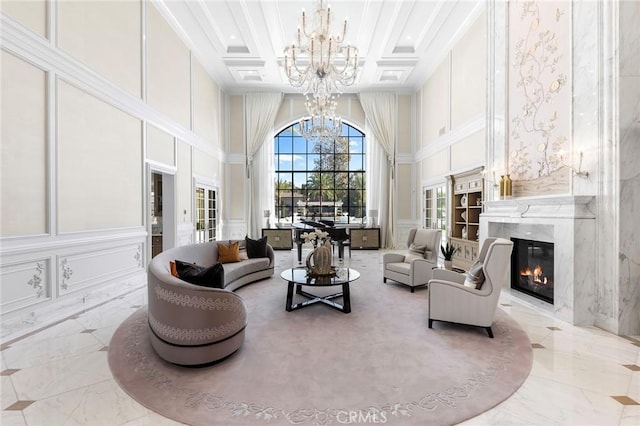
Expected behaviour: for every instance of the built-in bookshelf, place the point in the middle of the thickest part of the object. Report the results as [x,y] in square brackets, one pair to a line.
[466,206]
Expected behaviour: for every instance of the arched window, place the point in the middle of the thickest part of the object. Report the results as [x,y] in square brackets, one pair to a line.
[320,180]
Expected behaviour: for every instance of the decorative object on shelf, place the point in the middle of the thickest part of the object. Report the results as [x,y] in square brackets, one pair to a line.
[478,235]
[310,62]
[267,214]
[463,201]
[464,232]
[448,251]
[501,184]
[479,202]
[464,216]
[321,257]
[373,214]
[507,186]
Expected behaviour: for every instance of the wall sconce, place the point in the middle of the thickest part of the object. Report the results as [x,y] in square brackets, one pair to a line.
[493,182]
[576,172]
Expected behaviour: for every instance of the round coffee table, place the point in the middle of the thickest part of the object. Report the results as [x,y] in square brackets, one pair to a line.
[297,277]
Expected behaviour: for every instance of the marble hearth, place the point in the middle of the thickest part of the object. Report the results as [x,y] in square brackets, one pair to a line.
[568,223]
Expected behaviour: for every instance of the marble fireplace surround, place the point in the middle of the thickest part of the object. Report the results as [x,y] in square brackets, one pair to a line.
[568,223]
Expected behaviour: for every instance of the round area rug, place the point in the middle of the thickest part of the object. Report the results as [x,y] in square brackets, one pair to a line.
[317,366]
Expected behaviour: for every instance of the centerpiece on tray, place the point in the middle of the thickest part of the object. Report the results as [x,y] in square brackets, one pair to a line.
[319,260]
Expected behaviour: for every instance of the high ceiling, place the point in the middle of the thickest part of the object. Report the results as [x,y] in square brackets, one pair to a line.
[241,42]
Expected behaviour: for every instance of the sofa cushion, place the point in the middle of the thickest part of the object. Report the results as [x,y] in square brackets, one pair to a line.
[228,254]
[256,248]
[399,267]
[212,276]
[475,276]
[233,271]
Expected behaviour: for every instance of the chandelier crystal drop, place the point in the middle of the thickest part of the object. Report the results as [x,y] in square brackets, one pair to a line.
[317,61]
[323,125]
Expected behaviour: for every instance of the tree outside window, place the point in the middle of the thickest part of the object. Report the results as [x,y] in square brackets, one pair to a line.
[320,180]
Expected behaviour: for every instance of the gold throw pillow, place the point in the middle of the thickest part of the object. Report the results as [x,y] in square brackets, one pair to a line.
[229,254]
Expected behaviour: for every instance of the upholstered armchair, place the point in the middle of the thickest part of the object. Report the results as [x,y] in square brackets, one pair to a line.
[414,268]
[453,297]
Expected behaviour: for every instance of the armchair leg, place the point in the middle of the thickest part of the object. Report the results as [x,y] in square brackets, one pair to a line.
[412,289]
[430,322]
[489,332]
[384,279]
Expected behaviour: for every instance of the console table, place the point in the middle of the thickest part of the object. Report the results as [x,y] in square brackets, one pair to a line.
[364,238]
[279,238]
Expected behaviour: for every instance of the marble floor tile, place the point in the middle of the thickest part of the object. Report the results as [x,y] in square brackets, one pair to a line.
[630,415]
[12,418]
[103,403]
[7,392]
[44,351]
[61,375]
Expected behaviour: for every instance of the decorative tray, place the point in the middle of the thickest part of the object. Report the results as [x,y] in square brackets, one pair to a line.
[313,274]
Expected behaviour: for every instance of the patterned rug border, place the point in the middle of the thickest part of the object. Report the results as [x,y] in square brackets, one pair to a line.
[193,398]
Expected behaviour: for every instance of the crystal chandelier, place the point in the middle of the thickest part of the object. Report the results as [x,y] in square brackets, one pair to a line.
[318,61]
[323,125]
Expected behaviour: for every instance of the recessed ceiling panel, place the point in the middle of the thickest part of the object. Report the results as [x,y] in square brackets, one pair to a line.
[241,42]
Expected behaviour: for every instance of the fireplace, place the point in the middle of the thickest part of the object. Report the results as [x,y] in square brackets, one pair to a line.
[532,268]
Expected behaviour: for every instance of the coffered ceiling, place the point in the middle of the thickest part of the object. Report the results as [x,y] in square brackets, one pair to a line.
[241,42]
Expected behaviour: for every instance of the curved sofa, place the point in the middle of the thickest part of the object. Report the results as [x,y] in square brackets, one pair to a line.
[195,325]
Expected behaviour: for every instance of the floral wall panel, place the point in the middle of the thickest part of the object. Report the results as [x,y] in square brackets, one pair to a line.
[539,96]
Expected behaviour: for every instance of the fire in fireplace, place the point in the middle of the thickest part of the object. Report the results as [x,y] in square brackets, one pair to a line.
[532,268]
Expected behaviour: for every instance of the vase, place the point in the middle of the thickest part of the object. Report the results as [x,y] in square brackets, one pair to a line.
[448,265]
[501,185]
[508,186]
[319,260]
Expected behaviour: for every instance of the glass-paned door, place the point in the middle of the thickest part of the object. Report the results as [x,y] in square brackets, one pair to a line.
[206,215]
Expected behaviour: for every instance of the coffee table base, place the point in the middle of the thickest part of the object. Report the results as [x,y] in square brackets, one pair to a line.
[313,299]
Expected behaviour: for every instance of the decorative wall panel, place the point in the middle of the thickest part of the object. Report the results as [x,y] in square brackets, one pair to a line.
[114,54]
[184,180]
[168,69]
[78,271]
[468,75]
[99,165]
[32,14]
[23,152]
[539,111]
[205,105]
[160,146]
[435,104]
[24,284]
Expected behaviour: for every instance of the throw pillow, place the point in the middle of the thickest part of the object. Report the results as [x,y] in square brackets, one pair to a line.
[417,249]
[213,276]
[228,254]
[475,276]
[243,254]
[172,267]
[256,248]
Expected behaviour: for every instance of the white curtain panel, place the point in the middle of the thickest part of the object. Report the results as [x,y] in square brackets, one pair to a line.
[381,113]
[260,114]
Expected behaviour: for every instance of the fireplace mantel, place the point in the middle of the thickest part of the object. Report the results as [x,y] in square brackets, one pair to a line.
[560,206]
[568,223]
